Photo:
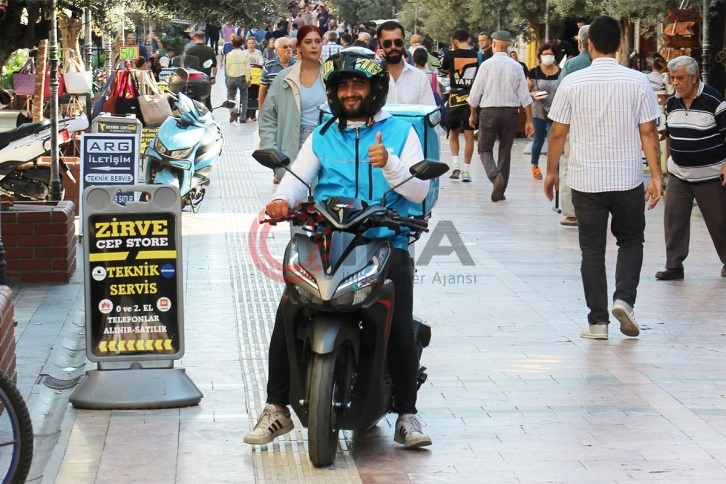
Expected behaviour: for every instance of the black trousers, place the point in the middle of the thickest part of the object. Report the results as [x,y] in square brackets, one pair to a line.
[628,225]
[402,354]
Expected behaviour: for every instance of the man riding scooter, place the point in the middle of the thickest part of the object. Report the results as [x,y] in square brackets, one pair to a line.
[363,154]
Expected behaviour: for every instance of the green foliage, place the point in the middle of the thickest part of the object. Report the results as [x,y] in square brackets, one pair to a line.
[14,64]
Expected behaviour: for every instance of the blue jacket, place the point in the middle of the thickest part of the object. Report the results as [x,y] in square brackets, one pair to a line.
[339,160]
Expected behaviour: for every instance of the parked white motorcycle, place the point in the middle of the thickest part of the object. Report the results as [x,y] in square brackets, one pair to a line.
[21,175]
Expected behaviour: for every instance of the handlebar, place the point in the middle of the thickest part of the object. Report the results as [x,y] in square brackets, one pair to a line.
[308,214]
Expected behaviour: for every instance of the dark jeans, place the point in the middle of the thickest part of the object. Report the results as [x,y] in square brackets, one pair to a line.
[627,225]
[235,84]
[541,128]
[402,353]
[498,123]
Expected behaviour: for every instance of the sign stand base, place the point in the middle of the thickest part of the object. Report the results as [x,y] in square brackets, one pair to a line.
[136,389]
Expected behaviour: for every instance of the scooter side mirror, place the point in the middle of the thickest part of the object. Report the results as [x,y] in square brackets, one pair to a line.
[423,170]
[227,105]
[271,157]
[183,74]
[207,64]
[428,169]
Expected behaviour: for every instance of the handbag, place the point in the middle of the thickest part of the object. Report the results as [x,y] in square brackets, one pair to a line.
[128,101]
[155,106]
[61,83]
[77,80]
[24,80]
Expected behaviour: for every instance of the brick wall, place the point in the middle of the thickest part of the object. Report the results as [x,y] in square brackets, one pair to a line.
[71,188]
[40,241]
[7,333]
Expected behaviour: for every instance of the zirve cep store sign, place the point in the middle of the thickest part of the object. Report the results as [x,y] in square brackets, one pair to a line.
[133,274]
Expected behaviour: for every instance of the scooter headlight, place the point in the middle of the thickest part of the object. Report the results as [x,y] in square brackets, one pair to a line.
[356,288]
[295,269]
[181,154]
[176,154]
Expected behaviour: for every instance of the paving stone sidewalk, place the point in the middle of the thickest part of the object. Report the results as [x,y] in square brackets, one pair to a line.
[514,394]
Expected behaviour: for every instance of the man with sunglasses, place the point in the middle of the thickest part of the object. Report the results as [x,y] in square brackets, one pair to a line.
[406,85]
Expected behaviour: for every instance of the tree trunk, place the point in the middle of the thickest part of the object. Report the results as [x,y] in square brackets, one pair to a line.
[626,32]
[71,30]
[40,62]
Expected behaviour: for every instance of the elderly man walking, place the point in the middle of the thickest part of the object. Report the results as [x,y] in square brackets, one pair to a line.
[499,89]
[612,111]
[695,149]
[572,65]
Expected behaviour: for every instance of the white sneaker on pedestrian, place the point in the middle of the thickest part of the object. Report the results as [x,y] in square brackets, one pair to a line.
[623,312]
[595,331]
[409,432]
[271,424]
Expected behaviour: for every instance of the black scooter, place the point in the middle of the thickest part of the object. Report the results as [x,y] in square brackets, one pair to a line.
[338,310]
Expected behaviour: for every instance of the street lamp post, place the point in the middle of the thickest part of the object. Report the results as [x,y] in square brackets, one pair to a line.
[547,21]
[55,182]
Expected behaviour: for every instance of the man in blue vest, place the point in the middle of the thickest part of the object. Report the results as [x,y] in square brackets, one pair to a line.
[383,149]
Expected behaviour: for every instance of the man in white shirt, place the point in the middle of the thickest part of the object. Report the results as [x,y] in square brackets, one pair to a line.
[499,89]
[407,85]
[615,111]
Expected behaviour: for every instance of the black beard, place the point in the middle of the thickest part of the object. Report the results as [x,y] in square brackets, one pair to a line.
[389,58]
[354,113]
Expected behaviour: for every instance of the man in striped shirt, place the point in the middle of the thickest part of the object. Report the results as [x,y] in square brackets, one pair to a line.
[612,111]
[283,59]
[696,149]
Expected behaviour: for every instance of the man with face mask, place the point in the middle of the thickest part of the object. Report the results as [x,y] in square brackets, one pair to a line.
[407,85]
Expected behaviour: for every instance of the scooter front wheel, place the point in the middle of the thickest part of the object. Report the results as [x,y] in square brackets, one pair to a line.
[327,386]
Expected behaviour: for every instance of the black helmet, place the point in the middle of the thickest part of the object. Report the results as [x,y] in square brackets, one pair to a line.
[355,62]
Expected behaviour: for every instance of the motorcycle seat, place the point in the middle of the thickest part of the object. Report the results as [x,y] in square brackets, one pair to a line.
[27,129]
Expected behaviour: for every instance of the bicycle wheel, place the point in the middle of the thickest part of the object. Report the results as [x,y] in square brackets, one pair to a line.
[16,434]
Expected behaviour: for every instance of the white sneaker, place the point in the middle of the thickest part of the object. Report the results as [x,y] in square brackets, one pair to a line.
[409,432]
[271,424]
[595,331]
[623,312]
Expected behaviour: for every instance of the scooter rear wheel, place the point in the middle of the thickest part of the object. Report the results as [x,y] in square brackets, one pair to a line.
[327,382]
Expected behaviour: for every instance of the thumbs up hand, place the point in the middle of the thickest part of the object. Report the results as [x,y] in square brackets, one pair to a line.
[377,153]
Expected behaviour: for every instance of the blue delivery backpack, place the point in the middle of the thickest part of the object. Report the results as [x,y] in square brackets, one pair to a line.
[424,120]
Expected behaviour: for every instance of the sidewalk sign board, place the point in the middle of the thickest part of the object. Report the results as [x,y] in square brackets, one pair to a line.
[109,159]
[134,305]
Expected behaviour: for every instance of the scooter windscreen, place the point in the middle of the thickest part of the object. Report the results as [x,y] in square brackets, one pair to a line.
[191,110]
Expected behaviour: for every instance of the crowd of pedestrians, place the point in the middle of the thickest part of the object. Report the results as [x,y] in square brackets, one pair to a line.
[598,116]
